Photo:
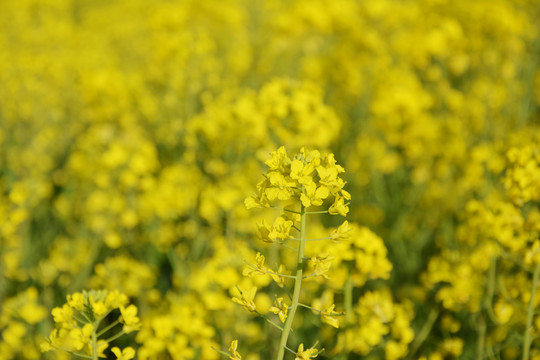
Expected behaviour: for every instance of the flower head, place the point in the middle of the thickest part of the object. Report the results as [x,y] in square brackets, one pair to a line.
[235,355]
[307,354]
[280,308]
[246,299]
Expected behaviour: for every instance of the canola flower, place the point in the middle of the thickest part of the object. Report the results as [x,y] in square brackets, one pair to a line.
[79,329]
[301,183]
[124,166]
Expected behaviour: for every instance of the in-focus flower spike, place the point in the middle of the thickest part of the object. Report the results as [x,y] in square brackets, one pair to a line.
[308,180]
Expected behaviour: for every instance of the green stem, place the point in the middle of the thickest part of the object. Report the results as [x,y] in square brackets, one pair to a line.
[268,320]
[289,247]
[94,344]
[291,211]
[114,337]
[424,332]
[221,352]
[108,328]
[530,312]
[309,307]
[480,343]
[348,298]
[317,239]
[297,287]
[320,311]
[74,353]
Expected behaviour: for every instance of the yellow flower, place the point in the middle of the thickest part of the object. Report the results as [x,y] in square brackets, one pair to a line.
[329,176]
[307,354]
[99,309]
[313,195]
[280,187]
[343,232]
[301,171]
[503,311]
[81,337]
[321,264]
[63,316]
[76,301]
[279,160]
[129,318]
[281,229]
[280,280]
[263,232]
[339,207]
[125,354]
[246,299]
[259,269]
[101,346]
[280,308]
[235,355]
[329,316]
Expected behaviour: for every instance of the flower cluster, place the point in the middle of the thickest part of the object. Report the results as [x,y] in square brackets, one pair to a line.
[522,180]
[80,328]
[124,166]
[308,177]
[308,180]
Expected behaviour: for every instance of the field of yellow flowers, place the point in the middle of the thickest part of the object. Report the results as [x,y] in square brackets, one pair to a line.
[239,179]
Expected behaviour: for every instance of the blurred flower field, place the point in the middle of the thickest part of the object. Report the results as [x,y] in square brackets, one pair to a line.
[145,147]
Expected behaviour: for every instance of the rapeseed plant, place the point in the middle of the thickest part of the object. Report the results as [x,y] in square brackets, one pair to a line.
[79,324]
[124,167]
[306,181]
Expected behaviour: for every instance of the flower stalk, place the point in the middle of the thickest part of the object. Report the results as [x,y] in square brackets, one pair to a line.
[297,286]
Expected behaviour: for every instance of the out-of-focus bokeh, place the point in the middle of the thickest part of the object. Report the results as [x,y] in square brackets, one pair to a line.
[131,132]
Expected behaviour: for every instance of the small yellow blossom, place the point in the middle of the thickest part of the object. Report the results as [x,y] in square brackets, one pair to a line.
[329,316]
[302,172]
[343,232]
[280,187]
[129,318]
[280,280]
[246,299]
[281,229]
[339,207]
[99,309]
[263,232]
[321,264]
[279,160]
[259,269]
[81,337]
[307,354]
[313,195]
[235,355]
[125,354]
[280,308]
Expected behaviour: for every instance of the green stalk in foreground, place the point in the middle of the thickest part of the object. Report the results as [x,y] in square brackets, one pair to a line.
[530,312]
[297,286]
[94,344]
